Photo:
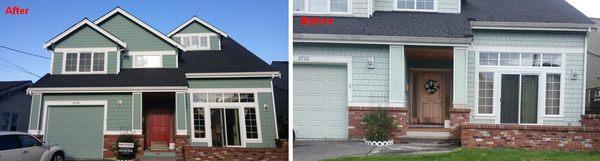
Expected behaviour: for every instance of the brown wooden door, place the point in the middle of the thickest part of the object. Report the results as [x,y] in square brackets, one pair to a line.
[430,104]
[158,128]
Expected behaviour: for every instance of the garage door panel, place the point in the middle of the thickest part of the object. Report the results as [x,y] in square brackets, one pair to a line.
[320,101]
[78,129]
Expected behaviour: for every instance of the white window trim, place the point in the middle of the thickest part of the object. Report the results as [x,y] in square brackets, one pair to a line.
[226,105]
[306,10]
[134,60]
[520,70]
[476,108]
[435,7]
[207,35]
[64,62]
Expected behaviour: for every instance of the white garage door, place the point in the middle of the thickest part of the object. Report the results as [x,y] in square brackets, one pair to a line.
[320,101]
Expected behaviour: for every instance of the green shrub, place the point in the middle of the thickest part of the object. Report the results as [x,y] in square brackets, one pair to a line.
[378,125]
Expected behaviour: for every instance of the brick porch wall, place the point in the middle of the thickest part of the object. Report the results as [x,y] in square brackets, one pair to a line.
[590,120]
[110,148]
[542,137]
[458,116]
[250,154]
[180,142]
[355,124]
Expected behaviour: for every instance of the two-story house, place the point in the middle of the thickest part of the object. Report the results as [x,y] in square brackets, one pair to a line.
[437,63]
[117,75]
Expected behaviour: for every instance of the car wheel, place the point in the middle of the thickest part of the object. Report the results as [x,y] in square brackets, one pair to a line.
[58,156]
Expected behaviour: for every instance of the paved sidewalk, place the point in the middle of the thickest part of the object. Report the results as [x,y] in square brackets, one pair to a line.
[319,150]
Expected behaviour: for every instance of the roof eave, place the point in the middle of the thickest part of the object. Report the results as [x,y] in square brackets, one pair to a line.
[266,74]
[196,19]
[85,21]
[536,26]
[386,40]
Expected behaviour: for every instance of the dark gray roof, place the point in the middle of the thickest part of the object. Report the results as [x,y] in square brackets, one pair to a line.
[282,67]
[4,85]
[549,11]
[126,78]
[412,24]
[232,57]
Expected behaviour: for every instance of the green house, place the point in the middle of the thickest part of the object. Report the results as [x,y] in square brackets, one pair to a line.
[117,75]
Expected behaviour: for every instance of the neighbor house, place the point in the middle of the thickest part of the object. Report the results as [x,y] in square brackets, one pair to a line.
[14,105]
[593,71]
[434,64]
[195,87]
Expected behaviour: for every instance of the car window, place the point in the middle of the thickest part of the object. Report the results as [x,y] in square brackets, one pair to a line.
[28,141]
[8,142]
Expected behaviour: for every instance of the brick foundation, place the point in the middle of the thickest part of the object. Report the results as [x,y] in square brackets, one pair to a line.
[458,116]
[541,137]
[110,148]
[180,142]
[223,153]
[590,120]
[355,124]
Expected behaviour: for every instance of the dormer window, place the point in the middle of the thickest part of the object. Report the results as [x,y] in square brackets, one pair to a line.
[415,5]
[197,41]
[85,62]
[322,6]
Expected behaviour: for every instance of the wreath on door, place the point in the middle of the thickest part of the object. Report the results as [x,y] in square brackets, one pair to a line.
[431,86]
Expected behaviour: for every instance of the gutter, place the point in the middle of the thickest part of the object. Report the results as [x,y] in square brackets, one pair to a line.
[271,74]
[382,40]
[538,26]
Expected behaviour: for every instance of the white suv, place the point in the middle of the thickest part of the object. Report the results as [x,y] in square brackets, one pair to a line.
[20,146]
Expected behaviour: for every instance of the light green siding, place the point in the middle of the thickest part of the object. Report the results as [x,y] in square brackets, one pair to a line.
[215,43]
[229,83]
[136,37]
[443,6]
[360,8]
[195,27]
[368,85]
[460,67]
[267,121]
[181,107]
[118,119]
[398,67]
[57,63]
[169,61]
[77,129]
[85,37]
[573,94]
[36,110]
[528,39]
[111,64]
[126,60]
[137,110]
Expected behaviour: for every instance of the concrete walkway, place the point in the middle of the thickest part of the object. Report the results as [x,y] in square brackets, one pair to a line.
[319,150]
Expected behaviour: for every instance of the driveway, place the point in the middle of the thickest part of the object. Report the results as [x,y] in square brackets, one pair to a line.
[319,150]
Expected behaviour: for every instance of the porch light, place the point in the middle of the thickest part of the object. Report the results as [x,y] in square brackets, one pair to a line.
[266,107]
[371,62]
[120,104]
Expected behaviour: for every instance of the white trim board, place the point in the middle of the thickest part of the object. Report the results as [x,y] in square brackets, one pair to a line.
[107,89]
[139,22]
[202,22]
[73,28]
[272,74]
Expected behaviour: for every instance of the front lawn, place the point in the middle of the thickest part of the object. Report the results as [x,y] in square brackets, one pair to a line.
[468,154]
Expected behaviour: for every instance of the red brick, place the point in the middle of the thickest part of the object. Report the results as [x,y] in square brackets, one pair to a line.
[356,128]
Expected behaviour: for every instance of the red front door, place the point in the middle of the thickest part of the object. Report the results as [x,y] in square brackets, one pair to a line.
[158,128]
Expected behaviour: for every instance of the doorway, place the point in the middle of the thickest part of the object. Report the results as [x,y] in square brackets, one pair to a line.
[430,97]
[519,98]
[158,120]
[225,127]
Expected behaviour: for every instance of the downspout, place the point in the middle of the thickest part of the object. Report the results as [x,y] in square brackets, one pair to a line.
[119,59]
[584,77]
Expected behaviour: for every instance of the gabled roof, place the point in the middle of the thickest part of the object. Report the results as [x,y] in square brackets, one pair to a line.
[232,58]
[80,24]
[202,22]
[139,22]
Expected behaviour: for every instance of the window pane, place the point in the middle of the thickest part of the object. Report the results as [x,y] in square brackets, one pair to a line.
[9,142]
[298,5]
[85,62]
[231,97]
[147,61]
[204,41]
[339,6]
[246,97]
[251,125]
[199,126]
[98,62]
[215,97]
[486,92]
[195,41]
[509,59]
[186,41]
[425,4]
[488,59]
[406,4]
[317,6]
[71,62]
[531,60]
[552,94]
[200,97]
[551,60]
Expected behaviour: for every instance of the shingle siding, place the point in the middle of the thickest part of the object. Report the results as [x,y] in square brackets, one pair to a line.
[195,27]
[368,85]
[136,37]
[267,121]
[444,6]
[111,63]
[528,39]
[85,37]
[593,71]
[57,61]
[360,8]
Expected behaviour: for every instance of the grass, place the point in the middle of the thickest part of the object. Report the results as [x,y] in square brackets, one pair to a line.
[469,154]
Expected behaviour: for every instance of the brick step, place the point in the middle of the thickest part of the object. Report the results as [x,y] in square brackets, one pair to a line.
[432,134]
[429,140]
[159,154]
[145,158]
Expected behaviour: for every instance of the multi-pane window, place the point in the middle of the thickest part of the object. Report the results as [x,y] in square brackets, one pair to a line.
[10,121]
[251,125]
[195,41]
[222,97]
[415,4]
[147,61]
[322,6]
[520,59]
[552,94]
[486,93]
[85,62]
[199,125]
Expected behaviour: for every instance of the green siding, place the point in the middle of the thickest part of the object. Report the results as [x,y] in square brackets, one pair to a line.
[85,37]
[137,110]
[181,110]
[229,83]
[528,39]
[368,85]
[36,110]
[57,63]
[267,121]
[136,37]
[398,67]
[77,129]
[215,43]
[118,119]
[169,61]
[111,64]
[195,27]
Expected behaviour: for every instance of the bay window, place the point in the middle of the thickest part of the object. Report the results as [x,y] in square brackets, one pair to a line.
[321,6]
[85,62]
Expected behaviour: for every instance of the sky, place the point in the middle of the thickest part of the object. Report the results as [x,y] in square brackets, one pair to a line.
[259,25]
